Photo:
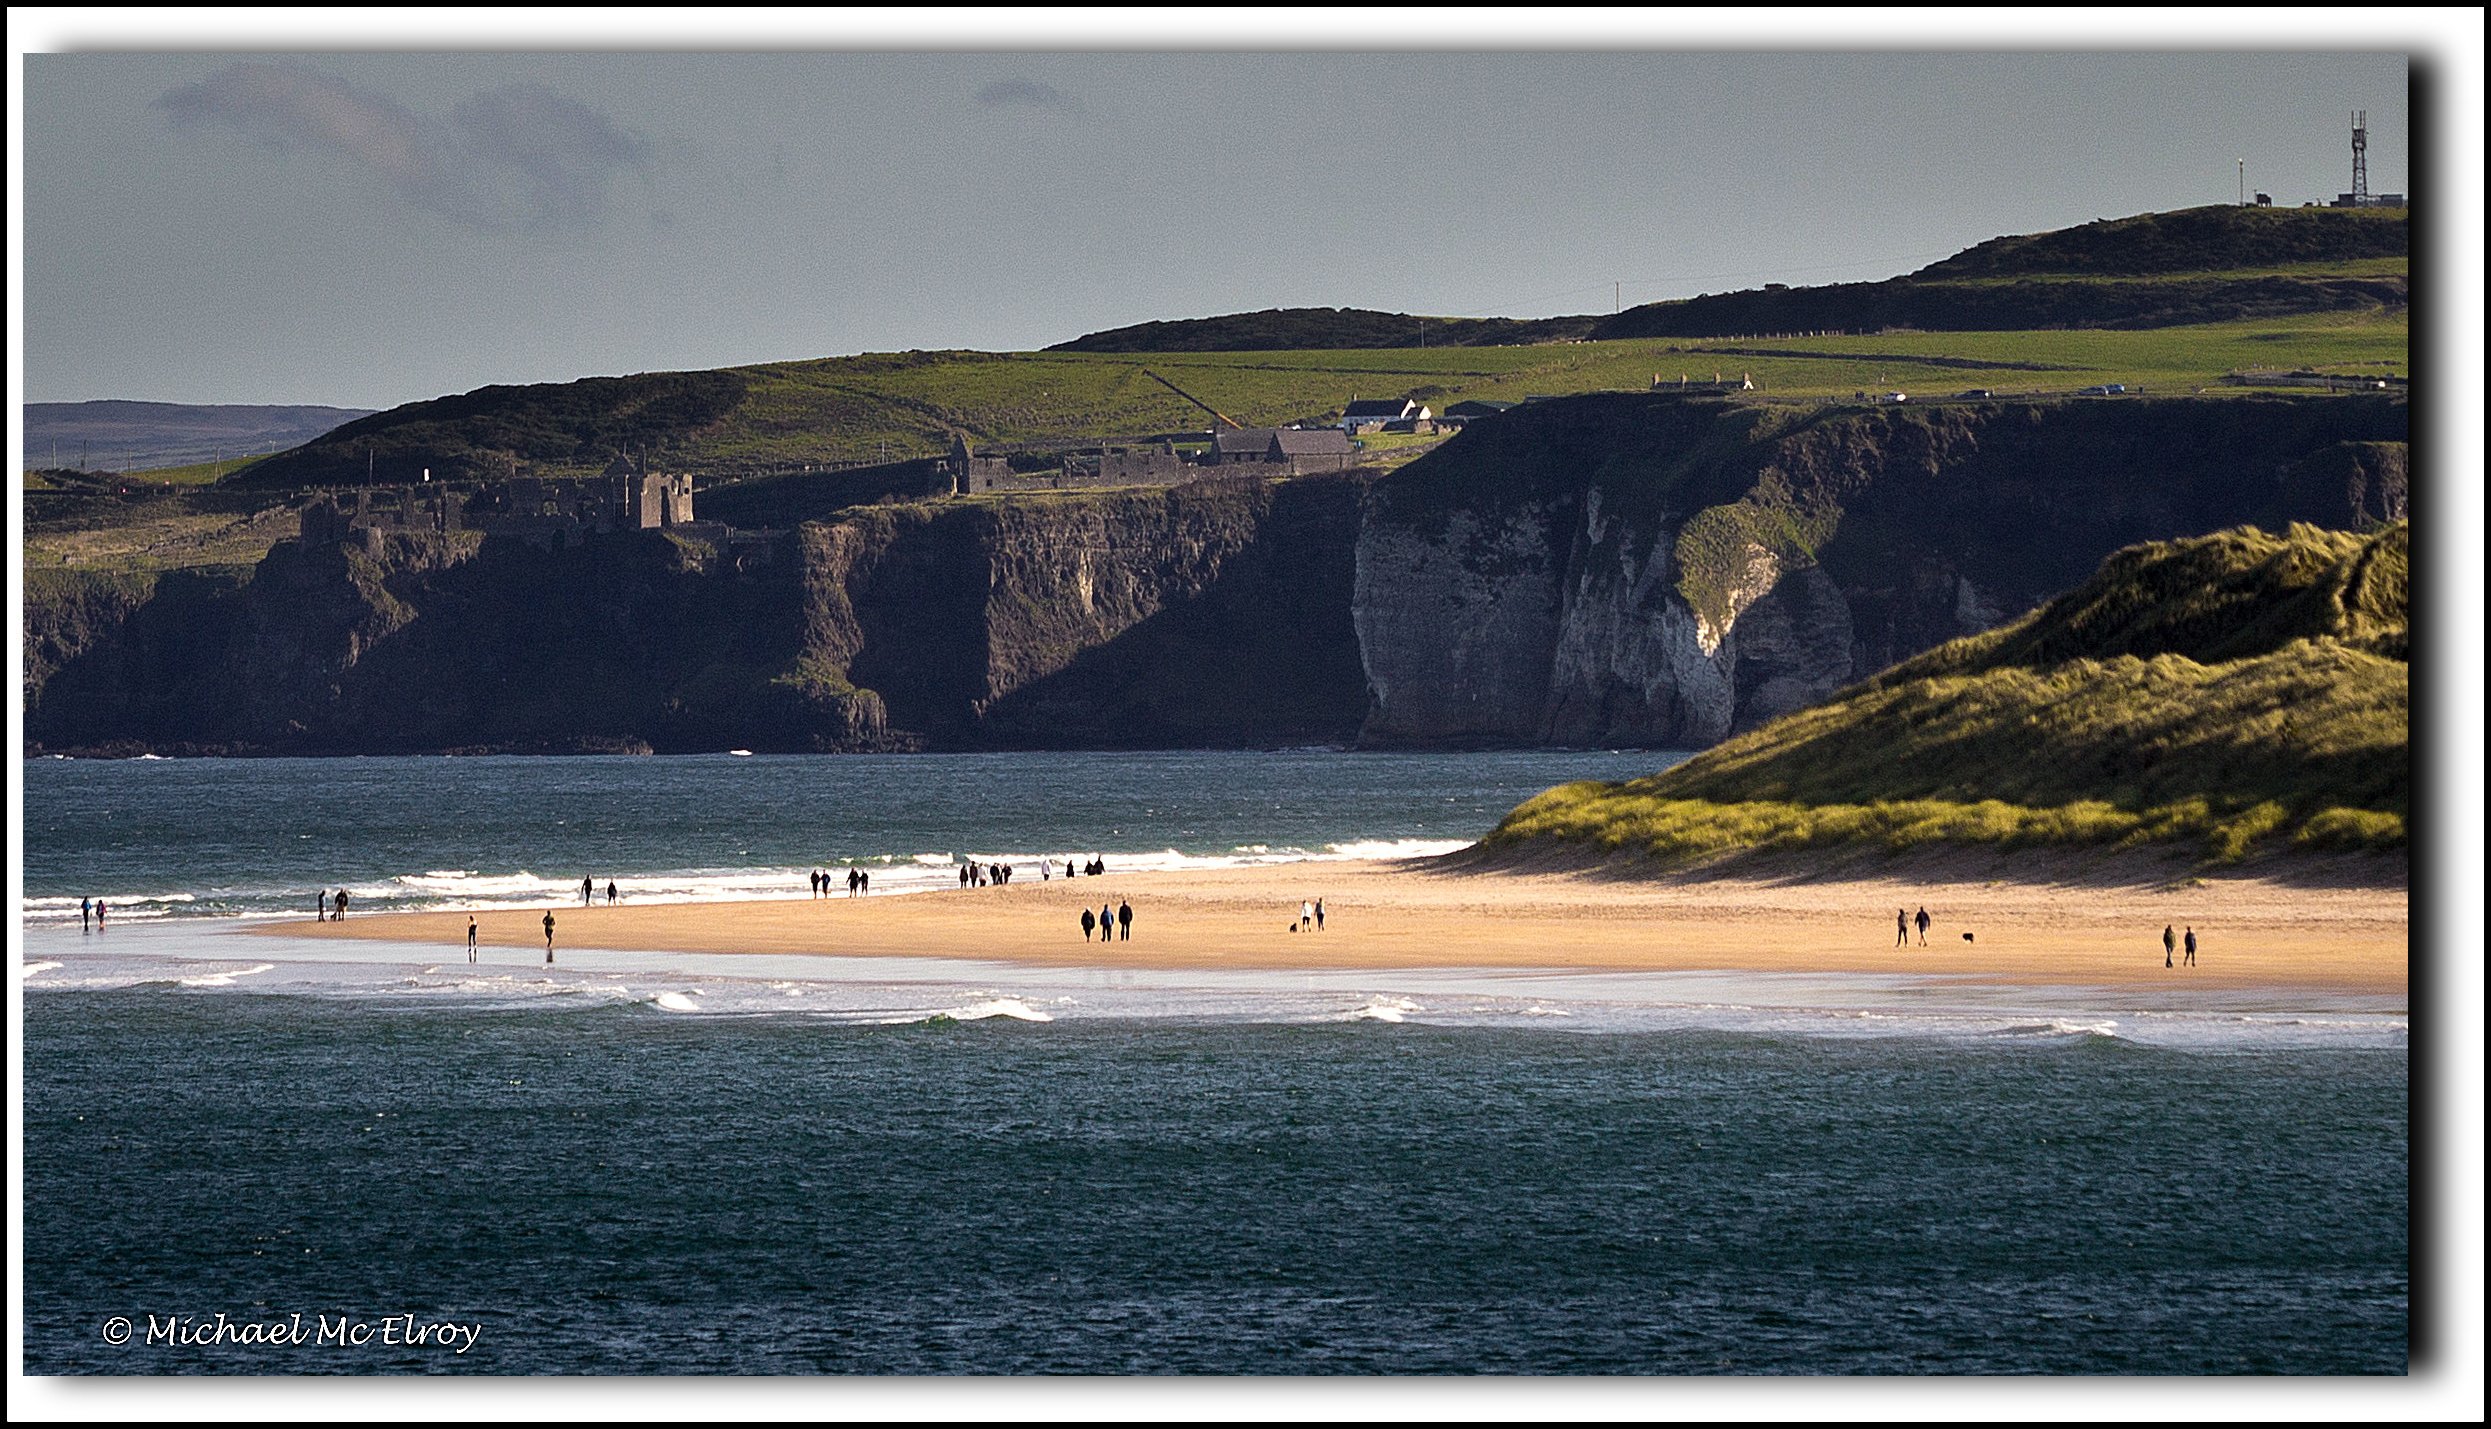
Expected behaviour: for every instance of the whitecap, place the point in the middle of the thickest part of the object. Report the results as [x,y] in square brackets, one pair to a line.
[1382,1009]
[226,978]
[676,1002]
[1011,1007]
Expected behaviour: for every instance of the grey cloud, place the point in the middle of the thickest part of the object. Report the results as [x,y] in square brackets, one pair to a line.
[520,156]
[1027,94]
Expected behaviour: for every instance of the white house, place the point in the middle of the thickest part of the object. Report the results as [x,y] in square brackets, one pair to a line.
[1371,415]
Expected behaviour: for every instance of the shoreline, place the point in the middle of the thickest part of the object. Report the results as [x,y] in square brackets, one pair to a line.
[2255,932]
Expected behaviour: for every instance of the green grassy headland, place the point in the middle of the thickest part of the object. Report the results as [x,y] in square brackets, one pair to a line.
[2234,693]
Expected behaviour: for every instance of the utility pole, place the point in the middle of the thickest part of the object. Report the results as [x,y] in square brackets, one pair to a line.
[1617,298]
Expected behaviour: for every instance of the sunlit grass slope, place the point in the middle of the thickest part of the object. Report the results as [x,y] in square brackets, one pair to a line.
[2231,693]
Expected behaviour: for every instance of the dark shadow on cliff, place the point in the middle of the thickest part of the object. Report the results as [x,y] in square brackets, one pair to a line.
[1263,652]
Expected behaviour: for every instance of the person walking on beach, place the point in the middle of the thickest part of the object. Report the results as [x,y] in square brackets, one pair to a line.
[1318,915]
[2191,944]
[99,915]
[588,891]
[1106,924]
[864,881]
[1306,914]
[1124,921]
[610,890]
[1902,928]
[2167,943]
[86,913]
[471,937]
[1089,920]
[549,935]
[341,905]
[1921,920]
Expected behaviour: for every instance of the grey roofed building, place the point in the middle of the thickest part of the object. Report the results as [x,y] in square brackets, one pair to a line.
[1243,444]
[1317,441]
[1318,449]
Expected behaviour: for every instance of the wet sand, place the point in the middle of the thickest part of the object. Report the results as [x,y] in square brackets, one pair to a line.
[2253,932]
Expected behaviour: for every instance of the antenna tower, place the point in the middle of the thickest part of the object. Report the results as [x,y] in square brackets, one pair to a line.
[2361,158]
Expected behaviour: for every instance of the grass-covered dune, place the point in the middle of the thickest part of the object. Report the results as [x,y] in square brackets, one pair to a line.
[2235,693]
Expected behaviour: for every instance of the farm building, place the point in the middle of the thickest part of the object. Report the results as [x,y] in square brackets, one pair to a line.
[1371,415]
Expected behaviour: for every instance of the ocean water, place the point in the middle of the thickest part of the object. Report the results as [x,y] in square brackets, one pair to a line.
[157,838]
[672,1163]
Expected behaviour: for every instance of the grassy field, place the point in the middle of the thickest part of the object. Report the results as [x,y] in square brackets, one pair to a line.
[198,474]
[2238,692]
[857,408]
[166,535]
[889,407]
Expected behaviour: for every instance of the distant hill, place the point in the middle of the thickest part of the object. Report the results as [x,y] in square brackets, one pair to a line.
[2199,265]
[2233,692]
[484,432]
[2230,262]
[815,421]
[2189,240]
[1327,329]
[143,436]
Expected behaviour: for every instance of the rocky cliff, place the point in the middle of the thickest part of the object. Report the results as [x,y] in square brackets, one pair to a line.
[1628,569]
[1652,570]
[1216,613]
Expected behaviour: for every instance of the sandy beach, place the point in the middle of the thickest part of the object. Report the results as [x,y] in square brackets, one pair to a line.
[2253,931]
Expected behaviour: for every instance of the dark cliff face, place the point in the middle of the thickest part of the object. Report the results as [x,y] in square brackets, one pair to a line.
[1624,569]
[1658,570]
[1217,613]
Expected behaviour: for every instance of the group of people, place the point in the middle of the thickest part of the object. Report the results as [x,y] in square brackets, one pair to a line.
[588,892]
[90,913]
[985,875]
[328,906]
[860,883]
[1309,917]
[2168,946]
[1112,924]
[1903,925]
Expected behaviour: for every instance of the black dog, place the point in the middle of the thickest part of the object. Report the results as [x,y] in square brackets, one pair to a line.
[1967,937]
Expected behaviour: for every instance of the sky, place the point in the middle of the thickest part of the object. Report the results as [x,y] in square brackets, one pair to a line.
[356,228]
